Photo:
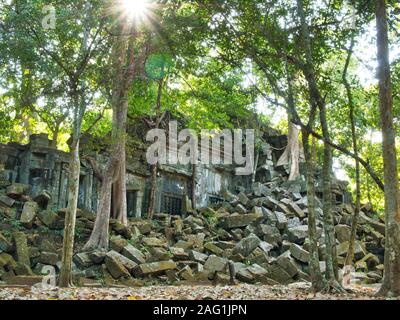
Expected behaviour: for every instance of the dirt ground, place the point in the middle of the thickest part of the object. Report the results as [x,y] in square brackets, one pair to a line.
[298,291]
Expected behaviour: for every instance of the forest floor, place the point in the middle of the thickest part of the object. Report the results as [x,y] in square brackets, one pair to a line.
[298,291]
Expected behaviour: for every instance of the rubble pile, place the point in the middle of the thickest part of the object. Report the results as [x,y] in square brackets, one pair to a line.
[255,237]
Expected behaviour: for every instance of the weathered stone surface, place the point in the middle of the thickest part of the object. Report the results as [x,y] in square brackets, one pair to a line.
[154,242]
[23,269]
[133,254]
[271,234]
[378,226]
[97,256]
[221,278]
[127,263]
[284,209]
[287,263]
[294,208]
[48,217]
[241,209]
[224,245]
[178,254]
[115,265]
[27,281]
[154,268]
[29,213]
[121,229]
[83,260]
[117,243]
[342,233]
[158,254]
[213,248]
[281,220]
[21,248]
[259,189]
[42,198]
[277,273]
[299,253]
[260,274]
[48,258]
[215,264]
[343,248]
[198,256]
[243,199]
[17,190]
[186,274]
[7,262]
[371,260]
[144,226]
[5,245]
[265,247]
[271,203]
[7,201]
[247,245]
[239,220]
[245,275]
[298,234]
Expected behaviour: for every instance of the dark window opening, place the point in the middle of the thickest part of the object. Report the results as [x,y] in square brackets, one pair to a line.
[171,205]
[81,193]
[215,200]
[339,198]
[146,202]
[131,202]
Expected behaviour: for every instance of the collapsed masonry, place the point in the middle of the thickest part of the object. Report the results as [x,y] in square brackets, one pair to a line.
[255,233]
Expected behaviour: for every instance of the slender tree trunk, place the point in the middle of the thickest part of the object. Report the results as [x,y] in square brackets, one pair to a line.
[154,168]
[194,184]
[330,239]
[254,174]
[54,141]
[391,281]
[317,100]
[317,280]
[153,190]
[352,241]
[73,194]
[70,217]
[119,209]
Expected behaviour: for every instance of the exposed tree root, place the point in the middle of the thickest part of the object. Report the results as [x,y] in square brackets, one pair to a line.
[385,291]
[332,286]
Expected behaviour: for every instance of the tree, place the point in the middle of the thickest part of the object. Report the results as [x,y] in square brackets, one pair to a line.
[126,44]
[391,281]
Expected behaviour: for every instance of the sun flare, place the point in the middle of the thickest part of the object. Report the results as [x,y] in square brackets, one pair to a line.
[136,8]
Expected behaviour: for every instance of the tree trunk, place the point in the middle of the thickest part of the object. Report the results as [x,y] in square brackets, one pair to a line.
[391,281]
[153,190]
[330,239]
[119,209]
[70,217]
[317,280]
[291,155]
[124,65]
[352,241]
[256,160]
[154,168]
[317,100]
[99,236]
[194,184]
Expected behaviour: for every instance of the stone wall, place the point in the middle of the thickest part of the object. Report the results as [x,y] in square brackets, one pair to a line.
[46,171]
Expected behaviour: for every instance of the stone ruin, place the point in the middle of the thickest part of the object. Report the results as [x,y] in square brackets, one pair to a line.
[238,231]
